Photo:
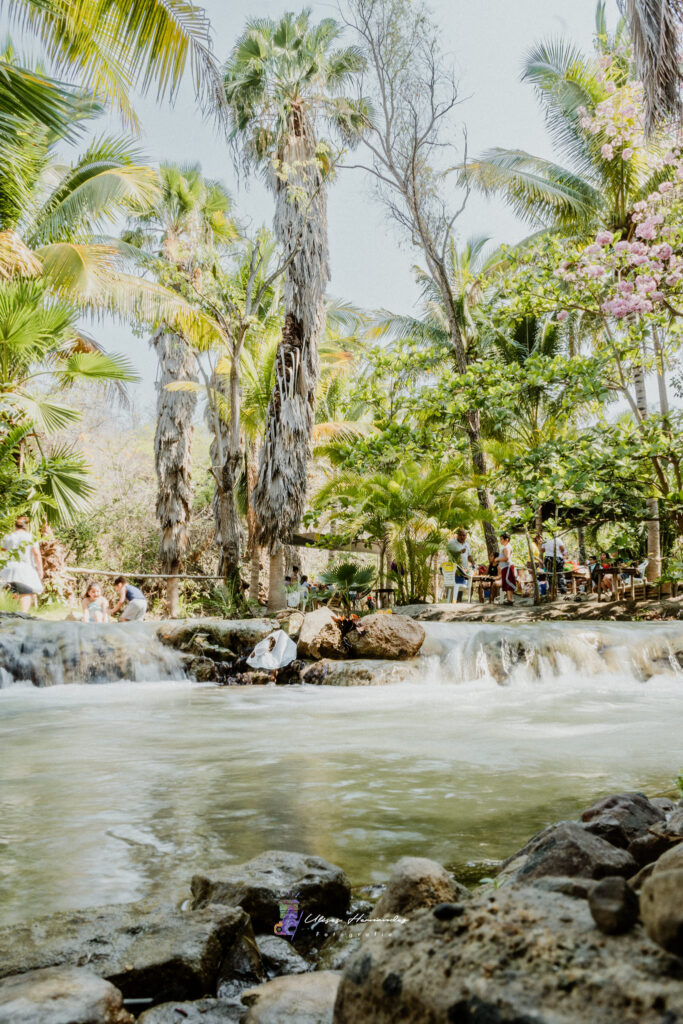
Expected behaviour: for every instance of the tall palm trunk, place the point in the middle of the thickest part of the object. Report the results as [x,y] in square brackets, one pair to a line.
[173,454]
[226,457]
[654,554]
[301,227]
[250,469]
[276,585]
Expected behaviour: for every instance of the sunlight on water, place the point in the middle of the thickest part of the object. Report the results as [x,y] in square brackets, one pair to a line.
[112,793]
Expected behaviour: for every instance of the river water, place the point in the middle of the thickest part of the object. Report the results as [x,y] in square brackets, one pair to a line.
[116,792]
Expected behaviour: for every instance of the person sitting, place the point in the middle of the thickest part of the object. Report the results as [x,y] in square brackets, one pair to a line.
[23,571]
[134,600]
[95,605]
[490,589]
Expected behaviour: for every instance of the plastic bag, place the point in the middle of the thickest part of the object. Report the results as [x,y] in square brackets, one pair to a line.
[276,651]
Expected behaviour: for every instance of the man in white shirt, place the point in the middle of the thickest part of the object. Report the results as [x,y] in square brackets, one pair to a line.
[554,554]
[460,552]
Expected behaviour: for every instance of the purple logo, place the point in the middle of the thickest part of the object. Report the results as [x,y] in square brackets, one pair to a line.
[290,917]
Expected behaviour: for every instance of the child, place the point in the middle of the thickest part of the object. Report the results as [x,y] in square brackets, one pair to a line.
[95,605]
[508,577]
[134,600]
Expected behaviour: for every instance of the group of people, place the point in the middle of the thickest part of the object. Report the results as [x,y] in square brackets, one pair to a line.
[499,575]
[22,574]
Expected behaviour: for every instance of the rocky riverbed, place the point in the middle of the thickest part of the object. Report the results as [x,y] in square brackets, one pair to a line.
[583,924]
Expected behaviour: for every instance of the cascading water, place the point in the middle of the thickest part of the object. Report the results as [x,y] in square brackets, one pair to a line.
[114,793]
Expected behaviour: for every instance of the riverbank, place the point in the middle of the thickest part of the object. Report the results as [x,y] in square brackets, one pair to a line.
[582,925]
[572,609]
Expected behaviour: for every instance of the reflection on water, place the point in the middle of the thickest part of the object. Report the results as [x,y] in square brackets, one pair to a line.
[118,792]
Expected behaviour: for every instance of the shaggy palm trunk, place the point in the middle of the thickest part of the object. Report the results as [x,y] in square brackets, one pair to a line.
[225,504]
[277,599]
[301,227]
[654,554]
[253,543]
[173,454]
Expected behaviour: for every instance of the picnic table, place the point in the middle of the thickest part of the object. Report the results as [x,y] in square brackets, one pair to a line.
[616,571]
[482,583]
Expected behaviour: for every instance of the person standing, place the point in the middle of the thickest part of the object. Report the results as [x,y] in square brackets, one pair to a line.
[554,554]
[134,600]
[459,550]
[23,572]
[508,577]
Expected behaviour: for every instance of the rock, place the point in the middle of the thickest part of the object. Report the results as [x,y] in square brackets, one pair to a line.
[359,672]
[242,967]
[672,860]
[292,624]
[159,954]
[624,820]
[61,995]
[343,940]
[417,882]
[663,803]
[203,670]
[203,1011]
[613,904]
[279,956]
[567,849]
[521,956]
[387,636]
[579,888]
[661,908]
[320,636]
[221,639]
[260,883]
[301,998]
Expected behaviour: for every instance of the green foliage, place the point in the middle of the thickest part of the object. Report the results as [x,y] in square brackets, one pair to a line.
[349,578]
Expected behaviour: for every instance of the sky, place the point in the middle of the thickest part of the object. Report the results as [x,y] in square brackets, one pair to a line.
[371,262]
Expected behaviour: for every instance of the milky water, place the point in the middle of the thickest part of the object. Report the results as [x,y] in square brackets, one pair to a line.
[112,793]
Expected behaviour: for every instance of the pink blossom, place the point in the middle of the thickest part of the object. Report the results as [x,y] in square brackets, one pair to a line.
[592,250]
[607,152]
[674,278]
[626,287]
[648,229]
[663,252]
[666,186]
[640,206]
[646,284]
[611,129]
[656,296]
[627,153]
[637,261]
[622,247]
[562,315]
[654,197]
[593,270]
[629,110]
[605,62]
[610,88]
[585,122]
[603,238]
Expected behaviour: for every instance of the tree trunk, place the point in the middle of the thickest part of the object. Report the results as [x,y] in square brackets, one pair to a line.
[582,545]
[479,466]
[173,592]
[254,547]
[277,599]
[654,553]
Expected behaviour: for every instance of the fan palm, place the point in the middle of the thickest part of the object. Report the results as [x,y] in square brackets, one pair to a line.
[655,27]
[348,578]
[284,81]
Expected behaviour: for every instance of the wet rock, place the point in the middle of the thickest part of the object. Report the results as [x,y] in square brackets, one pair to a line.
[242,967]
[579,888]
[661,908]
[304,998]
[259,884]
[672,860]
[57,995]
[624,819]
[157,954]
[203,1011]
[614,905]
[221,640]
[343,940]
[359,672]
[320,636]
[292,622]
[523,956]
[567,849]
[387,636]
[203,670]
[290,675]
[417,882]
[279,956]
[663,803]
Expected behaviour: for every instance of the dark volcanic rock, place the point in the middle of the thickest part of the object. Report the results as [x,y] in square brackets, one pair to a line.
[523,956]
[417,882]
[614,905]
[61,995]
[260,883]
[162,954]
[567,849]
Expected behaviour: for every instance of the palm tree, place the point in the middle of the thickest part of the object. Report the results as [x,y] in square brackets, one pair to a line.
[111,46]
[283,81]
[655,27]
[186,220]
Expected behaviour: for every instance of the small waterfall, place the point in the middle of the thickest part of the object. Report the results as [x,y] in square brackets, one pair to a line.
[39,653]
[636,651]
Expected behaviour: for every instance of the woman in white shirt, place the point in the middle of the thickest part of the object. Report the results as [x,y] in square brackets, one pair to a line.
[23,571]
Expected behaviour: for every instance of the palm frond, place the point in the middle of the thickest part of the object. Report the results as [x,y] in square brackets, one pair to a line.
[655,28]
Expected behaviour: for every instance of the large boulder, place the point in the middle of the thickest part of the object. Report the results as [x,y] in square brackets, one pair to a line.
[279,956]
[567,850]
[521,956]
[219,639]
[259,884]
[61,995]
[417,882]
[661,907]
[387,636]
[320,636]
[358,672]
[625,820]
[613,904]
[158,955]
[301,998]
[203,1011]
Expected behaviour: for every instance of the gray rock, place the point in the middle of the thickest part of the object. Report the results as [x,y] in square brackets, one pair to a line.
[523,956]
[672,860]
[203,1011]
[220,639]
[242,967]
[61,995]
[157,954]
[661,908]
[260,884]
[614,905]
[387,636]
[567,849]
[359,672]
[279,956]
[417,882]
[579,888]
[320,636]
[624,820]
[343,940]
[301,998]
